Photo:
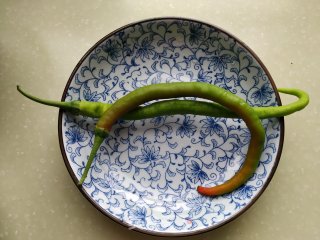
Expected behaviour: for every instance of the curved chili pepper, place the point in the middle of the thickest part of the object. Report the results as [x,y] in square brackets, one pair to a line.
[172,107]
[191,89]
[280,111]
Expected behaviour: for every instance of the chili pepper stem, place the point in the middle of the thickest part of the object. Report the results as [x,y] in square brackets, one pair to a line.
[98,139]
[86,108]
[73,106]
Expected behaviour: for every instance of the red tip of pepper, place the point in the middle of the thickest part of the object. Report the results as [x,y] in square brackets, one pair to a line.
[207,191]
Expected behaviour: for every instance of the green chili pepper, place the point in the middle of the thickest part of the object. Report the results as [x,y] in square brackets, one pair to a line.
[172,107]
[191,89]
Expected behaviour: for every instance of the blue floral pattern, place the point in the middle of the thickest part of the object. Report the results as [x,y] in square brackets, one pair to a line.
[196,174]
[147,171]
[186,128]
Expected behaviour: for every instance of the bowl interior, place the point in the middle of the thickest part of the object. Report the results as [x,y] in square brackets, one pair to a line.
[146,172]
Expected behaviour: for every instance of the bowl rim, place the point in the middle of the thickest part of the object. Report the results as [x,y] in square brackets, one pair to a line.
[151,232]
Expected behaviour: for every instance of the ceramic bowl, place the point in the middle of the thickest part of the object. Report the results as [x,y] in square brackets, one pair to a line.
[146,172]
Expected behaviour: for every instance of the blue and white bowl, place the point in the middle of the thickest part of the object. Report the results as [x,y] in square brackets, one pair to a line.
[146,172]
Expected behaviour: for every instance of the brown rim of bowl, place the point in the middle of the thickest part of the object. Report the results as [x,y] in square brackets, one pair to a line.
[150,232]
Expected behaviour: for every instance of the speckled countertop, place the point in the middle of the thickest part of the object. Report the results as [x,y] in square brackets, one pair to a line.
[42,41]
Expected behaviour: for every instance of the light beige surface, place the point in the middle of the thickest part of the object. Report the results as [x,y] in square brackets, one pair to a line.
[41,42]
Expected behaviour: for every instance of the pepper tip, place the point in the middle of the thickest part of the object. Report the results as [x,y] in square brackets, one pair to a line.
[200,189]
[206,191]
[19,89]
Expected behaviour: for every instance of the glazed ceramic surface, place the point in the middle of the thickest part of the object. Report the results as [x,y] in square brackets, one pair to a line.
[146,172]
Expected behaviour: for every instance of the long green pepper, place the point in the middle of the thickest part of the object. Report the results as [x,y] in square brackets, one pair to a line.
[191,89]
[231,107]
[172,107]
